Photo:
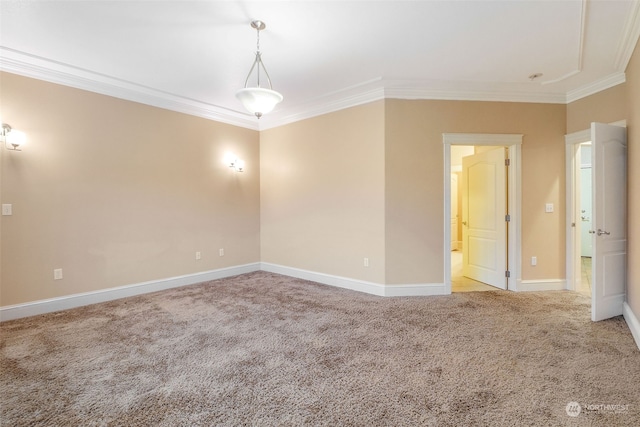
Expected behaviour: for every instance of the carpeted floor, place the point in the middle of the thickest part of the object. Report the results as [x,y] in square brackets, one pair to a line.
[264,350]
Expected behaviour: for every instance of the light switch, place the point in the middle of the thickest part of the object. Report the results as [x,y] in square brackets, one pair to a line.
[7,209]
[548,207]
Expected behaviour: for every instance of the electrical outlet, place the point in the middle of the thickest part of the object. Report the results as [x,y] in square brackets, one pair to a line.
[57,274]
[7,209]
[198,255]
[366,262]
[534,260]
[221,251]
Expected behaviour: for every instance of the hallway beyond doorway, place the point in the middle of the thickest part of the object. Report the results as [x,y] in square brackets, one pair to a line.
[584,287]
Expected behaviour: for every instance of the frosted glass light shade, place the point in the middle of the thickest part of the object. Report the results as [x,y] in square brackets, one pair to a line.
[258,100]
[15,139]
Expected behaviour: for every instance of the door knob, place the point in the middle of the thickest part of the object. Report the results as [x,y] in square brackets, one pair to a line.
[601,232]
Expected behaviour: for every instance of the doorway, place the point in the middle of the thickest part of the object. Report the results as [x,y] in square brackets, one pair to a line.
[596,176]
[478,214]
[481,142]
[584,189]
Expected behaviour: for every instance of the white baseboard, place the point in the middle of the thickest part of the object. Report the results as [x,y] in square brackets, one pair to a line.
[632,322]
[77,300]
[358,285]
[541,285]
[422,289]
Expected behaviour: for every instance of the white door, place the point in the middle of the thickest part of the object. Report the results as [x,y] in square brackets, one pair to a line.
[484,230]
[609,262]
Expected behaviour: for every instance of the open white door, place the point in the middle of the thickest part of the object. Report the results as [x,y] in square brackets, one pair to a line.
[609,262]
[484,230]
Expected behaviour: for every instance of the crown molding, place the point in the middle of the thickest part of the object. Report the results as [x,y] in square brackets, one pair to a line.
[474,95]
[630,36]
[352,96]
[595,87]
[376,89]
[36,67]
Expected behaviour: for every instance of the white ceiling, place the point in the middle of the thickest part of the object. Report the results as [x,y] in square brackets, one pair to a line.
[192,56]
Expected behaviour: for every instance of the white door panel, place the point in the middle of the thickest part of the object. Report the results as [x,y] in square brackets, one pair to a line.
[609,221]
[484,209]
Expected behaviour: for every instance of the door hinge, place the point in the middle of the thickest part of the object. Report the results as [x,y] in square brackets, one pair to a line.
[507,162]
[507,217]
[507,273]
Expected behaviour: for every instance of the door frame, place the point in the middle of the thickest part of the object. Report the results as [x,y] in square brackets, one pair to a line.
[514,201]
[572,238]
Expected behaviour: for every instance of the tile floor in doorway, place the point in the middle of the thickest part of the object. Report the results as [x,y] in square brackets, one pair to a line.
[459,283]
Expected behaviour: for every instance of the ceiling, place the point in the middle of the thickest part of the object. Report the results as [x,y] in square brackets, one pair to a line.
[192,56]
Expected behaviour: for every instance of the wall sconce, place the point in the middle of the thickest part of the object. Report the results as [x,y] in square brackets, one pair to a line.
[13,139]
[234,162]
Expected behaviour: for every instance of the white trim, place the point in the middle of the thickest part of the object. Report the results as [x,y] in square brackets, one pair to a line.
[514,143]
[349,97]
[630,35]
[598,86]
[488,139]
[578,137]
[578,70]
[541,285]
[496,95]
[357,285]
[379,89]
[572,267]
[632,322]
[78,300]
[22,63]
[14,61]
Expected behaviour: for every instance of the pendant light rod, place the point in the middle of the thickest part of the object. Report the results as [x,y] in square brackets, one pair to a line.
[259,26]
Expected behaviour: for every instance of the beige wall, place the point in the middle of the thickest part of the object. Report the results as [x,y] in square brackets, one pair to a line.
[633,135]
[414,182]
[117,193]
[605,107]
[318,213]
[322,193]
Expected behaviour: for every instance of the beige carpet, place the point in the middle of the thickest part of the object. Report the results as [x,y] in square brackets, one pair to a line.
[265,350]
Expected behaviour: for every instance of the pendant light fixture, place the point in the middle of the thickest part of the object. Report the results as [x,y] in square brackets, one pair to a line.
[258,100]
